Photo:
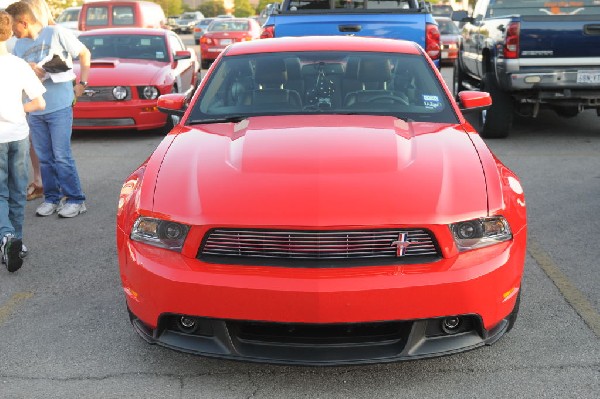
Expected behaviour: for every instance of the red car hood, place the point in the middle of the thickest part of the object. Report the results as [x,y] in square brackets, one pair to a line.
[122,72]
[321,171]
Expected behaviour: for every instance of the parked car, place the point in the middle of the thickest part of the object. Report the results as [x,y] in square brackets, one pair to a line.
[449,37]
[130,68]
[222,32]
[121,13]
[200,28]
[442,10]
[186,21]
[69,18]
[322,201]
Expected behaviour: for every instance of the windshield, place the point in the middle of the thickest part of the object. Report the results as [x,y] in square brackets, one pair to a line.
[314,82]
[142,47]
[500,8]
[447,27]
[349,5]
[68,16]
[223,25]
[188,16]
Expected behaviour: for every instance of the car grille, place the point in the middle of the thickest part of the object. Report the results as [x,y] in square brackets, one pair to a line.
[319,248]
[101,93]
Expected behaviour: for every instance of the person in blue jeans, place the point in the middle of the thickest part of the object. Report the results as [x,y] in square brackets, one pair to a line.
[16,78]
[51,128]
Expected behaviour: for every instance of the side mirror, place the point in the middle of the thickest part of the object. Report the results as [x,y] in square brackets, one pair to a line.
[474,101]
[172,104]
[182,55]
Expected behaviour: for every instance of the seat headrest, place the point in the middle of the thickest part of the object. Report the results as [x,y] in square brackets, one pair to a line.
[374,70]
[270,72]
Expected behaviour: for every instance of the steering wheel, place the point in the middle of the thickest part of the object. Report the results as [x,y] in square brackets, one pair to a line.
[394,99]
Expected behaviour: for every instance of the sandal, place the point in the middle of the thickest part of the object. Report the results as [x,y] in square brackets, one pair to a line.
[34,191]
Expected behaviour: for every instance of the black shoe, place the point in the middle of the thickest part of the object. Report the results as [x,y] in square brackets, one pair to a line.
[11,252]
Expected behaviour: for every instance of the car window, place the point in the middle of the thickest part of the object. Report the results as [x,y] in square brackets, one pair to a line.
[175,43]
[142,47]
[122,15]
[349,5]
[542,7]
[68,16]
[228,26]
[400,85]
[447,27]
[97,16]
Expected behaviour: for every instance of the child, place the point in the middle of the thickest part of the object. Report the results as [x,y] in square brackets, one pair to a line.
[16,78]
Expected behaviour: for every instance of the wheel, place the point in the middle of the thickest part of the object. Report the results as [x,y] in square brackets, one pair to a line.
[205,64]
[497,121]
[512,318]
[458,78]
[567,112]
[392,98]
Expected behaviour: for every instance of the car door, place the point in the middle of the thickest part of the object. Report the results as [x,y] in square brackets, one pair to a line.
[183,69]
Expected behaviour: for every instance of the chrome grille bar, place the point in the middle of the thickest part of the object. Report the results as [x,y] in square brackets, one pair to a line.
[317,245]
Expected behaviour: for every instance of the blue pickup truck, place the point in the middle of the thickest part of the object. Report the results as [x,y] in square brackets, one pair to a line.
[393,19]
[530,54]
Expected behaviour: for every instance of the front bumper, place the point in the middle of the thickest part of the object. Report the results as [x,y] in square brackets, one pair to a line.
[481,286]
[111,115]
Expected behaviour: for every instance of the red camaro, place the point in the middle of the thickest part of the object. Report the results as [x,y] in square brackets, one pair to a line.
[322,201]
[130,68]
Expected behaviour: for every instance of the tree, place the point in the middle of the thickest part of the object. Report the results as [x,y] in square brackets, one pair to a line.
[171,7]
[261,5]
[212,8]
[243,8]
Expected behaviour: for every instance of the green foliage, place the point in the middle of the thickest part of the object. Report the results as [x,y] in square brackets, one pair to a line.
[212,8]
[243,8]
[262,4]
[170,7]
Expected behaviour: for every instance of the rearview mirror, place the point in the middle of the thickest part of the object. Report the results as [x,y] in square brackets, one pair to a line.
[474,101]
[182,55]
[172,104]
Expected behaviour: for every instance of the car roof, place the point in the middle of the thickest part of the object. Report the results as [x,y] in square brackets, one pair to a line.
[125,31]
[324,43]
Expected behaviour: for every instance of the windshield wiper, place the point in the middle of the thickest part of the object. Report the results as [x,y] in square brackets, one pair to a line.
[226,119]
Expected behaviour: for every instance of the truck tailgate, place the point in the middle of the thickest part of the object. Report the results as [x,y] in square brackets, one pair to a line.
[570,36]
[406,26]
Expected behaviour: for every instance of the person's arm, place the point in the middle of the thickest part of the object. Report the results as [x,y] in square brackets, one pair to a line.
[84,69]
[37,104]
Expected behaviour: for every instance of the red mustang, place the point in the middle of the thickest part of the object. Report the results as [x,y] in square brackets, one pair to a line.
[130,68]
[322,201]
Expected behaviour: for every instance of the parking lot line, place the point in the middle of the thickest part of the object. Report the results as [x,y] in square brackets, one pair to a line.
[573,295]
[8,307]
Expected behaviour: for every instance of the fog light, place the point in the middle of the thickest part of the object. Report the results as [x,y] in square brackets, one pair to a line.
[533,79]
[450,324]
[187,324]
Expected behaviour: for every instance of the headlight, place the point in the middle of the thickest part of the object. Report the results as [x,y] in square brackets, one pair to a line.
[149,92]
[160,233]
[482,232]
[120,92]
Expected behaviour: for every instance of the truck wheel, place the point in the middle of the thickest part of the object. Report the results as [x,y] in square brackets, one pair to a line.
[567,112]
[497,121]
[458,78]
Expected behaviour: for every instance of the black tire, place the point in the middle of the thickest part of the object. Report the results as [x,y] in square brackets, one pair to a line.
[512,318]
[205,64]
[497,121]
[567,112]
[458,79]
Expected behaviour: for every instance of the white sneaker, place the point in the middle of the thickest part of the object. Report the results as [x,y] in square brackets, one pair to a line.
[46,209]
[70,210]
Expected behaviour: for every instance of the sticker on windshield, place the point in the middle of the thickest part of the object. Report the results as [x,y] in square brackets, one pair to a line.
[431,101]
[160,54]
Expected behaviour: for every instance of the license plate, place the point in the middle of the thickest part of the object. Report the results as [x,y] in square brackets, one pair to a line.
[592,77]
[225,42]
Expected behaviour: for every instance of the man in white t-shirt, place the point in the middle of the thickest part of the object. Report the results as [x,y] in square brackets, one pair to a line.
[16,78]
